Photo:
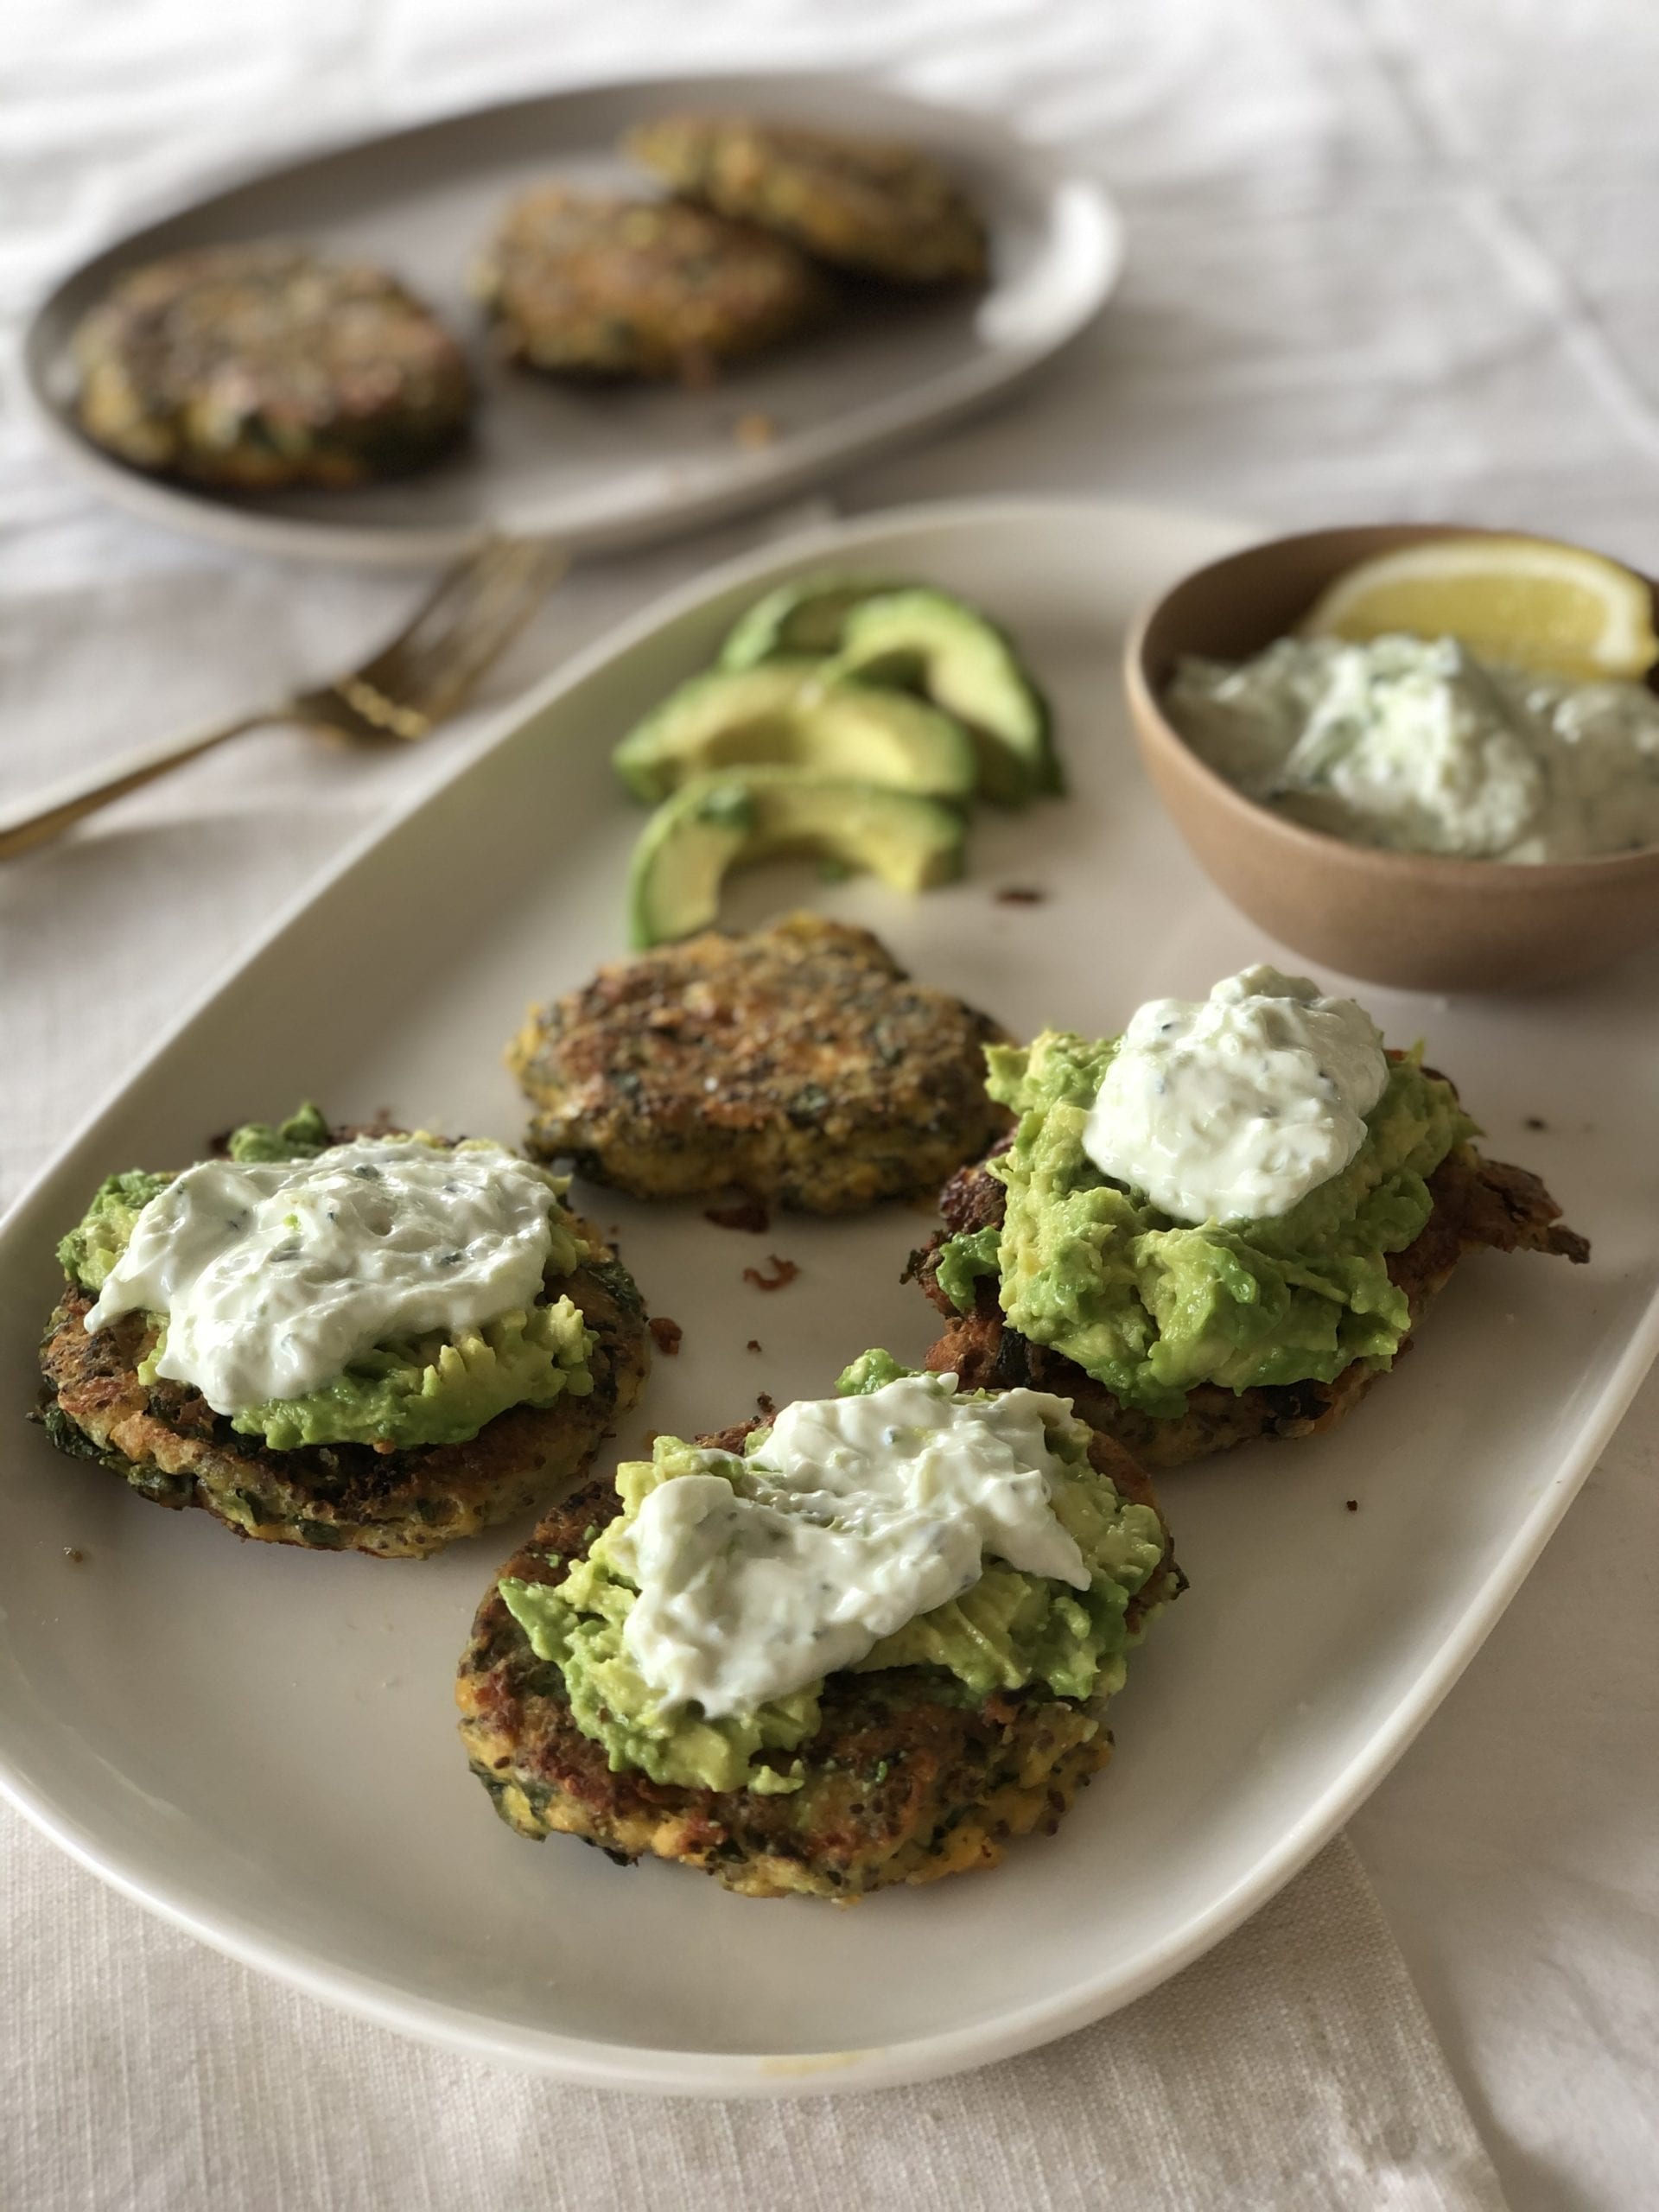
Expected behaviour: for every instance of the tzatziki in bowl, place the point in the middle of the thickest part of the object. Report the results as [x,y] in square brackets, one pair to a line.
[1424,779]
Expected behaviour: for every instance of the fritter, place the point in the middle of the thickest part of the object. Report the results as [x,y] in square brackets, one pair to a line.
[258,367]
[903,1785]
[165,1440]
[1479,1206]
[798,1064]
[577,285]
[862,204]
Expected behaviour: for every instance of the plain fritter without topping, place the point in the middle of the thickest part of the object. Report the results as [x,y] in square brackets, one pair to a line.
[903,1785]
[167,1442]
[862,204]
[639,288]
[798,1064]
[258,368]
[1479,1206]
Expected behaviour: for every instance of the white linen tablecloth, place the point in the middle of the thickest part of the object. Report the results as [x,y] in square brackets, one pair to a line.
[1387,257]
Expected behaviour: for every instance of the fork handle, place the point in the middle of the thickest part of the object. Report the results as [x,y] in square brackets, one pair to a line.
[49,813]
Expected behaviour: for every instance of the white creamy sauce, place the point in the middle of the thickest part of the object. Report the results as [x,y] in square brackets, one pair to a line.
[1416,745]
[1234,1107]
[273,1275]
[856,1515]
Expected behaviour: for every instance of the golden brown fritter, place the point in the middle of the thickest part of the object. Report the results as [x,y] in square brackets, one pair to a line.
[862,204]
[166,1440]
[258,368]
[902,1784]
[582,286]
[1479,1206]
[798,1064]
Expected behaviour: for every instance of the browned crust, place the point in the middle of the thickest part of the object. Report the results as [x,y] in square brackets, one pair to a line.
[258,365]
[798,1064]
[1480,1204]
[867,204]
[584,285]
[902,1786]
[167,1443]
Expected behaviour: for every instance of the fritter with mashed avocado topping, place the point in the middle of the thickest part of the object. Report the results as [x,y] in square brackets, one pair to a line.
[862,204]
[263,367]
[649,1672]
[579,285]
[1183,1328]
[798,1064]
[344,1339]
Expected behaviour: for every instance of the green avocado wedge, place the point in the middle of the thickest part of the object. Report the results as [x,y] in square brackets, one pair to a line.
[782,714]
[916,639]
[719,822]
[803,617]
[929,642]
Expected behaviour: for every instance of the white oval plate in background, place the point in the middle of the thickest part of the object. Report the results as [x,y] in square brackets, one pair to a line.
[600,466]
[259,1742]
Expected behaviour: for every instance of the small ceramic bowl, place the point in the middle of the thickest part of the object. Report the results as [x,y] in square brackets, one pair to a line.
[1405,919]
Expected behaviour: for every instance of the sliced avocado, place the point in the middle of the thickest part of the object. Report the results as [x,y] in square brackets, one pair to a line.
[782,714]
[962,663]
[717,823]
[802,617]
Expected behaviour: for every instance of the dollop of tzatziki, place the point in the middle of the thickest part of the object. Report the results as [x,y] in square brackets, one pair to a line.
[1416,745]
[1234,1107]
[854,1515]
[273,1276]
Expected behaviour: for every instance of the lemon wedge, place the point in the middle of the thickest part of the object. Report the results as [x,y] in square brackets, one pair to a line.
[1527,602]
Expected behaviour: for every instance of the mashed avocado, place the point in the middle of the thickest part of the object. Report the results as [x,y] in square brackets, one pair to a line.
[88,1252]
[1007,1630]
[92,1249]
[1151,1307]
[431,1389]
[962,1261]
[301,1136]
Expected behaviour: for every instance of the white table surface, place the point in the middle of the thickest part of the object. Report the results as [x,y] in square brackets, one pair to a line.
[1387,258]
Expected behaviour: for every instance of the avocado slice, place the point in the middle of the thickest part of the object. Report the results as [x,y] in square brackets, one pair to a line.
[802,617]
[782,714]
[965,665]
[719,822]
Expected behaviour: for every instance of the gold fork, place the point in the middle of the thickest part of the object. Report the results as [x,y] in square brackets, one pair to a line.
[407,690]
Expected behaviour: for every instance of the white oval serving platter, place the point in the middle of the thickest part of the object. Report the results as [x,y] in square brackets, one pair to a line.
[259,1742]
[597,468]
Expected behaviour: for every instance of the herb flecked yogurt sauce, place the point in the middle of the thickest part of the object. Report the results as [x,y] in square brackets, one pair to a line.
[1234,1107]
[274,1275]
[857,1515]
[1416,745]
